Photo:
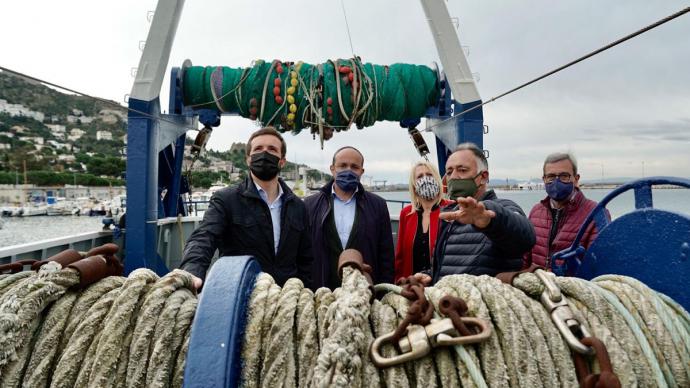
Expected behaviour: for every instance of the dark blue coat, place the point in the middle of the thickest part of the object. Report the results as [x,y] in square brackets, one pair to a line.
[374,237]
[499,247]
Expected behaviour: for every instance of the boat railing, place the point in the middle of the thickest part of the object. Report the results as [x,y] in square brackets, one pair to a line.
[195,208]
[41,250]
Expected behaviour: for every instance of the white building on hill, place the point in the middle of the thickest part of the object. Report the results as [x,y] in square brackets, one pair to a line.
[104,135]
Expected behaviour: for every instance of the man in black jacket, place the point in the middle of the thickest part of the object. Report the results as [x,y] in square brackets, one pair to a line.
[342,215]
[480,234]
[260,217]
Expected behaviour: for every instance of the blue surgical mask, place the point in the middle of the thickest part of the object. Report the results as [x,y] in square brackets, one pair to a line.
[559,191]
[347,180]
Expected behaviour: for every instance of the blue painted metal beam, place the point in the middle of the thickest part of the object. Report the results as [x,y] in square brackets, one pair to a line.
[213,359]
[142,188]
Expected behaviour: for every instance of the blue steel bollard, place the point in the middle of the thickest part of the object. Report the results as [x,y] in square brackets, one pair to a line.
[213,359]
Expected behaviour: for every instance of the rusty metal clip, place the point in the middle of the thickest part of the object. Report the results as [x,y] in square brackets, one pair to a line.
[414,345]
[562,315]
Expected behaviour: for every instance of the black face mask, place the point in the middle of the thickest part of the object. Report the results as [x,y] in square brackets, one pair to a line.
[264,165]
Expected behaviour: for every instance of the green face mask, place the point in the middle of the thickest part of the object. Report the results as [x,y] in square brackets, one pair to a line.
[462,187]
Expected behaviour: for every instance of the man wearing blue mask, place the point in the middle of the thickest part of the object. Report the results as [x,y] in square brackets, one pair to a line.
[480,234]
[559,216]
[342,215]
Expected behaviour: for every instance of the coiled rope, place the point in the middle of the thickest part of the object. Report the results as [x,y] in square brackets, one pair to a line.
[118,332]
[646,335]
[135,331]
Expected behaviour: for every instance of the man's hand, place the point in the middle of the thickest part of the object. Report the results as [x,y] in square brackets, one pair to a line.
[470,212]
[196,282]
[423,278]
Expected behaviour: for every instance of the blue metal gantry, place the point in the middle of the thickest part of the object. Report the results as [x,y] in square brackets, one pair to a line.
[156,140]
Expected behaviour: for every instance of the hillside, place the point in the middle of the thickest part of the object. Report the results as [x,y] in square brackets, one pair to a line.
[61,139]
[46,131]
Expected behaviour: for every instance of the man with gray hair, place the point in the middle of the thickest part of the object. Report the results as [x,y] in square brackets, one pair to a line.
[558,217]
[479,234]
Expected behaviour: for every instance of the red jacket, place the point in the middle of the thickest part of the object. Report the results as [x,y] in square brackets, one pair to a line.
[407,229]
[575,213]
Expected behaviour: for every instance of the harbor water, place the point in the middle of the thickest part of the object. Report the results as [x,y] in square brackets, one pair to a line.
[22,230]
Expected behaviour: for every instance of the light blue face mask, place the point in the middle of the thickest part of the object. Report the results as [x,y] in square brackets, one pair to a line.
[347,180]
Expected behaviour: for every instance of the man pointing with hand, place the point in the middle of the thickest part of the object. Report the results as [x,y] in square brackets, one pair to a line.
[480,234]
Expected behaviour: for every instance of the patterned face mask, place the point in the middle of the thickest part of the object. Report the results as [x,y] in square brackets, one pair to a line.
[427,188]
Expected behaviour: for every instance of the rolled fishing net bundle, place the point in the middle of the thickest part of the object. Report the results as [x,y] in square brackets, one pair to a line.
[326,97]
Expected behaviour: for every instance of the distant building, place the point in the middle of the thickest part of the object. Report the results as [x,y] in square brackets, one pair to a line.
[37,140]
[220,165]
[5,146]
[104,135]
[67,158]
[57,145]
[19,110]
[56,128]
[75,134]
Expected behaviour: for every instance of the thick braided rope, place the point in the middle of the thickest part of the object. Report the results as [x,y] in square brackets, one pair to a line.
[620,361]
[307,337]
[385,321]
[13,372]
[323,299]
[180,344]
[251,349]
[19,309]
[597,303]
[670,348]
[118,322]
[490,355]
[86,299]
[149,313]
[345,347]
[44,352]
[279,363]
[71,364]
[672,321]
[680,312]
[615,312]
[517,350]
[9,279]
[164,346]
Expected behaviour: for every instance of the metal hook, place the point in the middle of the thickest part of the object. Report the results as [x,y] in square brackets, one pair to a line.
[414,345]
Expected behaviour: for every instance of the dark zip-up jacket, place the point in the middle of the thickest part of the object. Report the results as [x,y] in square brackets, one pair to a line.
[238,222]
[374,239]
[499,247]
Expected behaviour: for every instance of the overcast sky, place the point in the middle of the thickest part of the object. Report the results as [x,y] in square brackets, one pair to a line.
[623,113]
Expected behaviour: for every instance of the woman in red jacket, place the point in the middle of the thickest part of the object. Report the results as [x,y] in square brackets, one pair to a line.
[419,221]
